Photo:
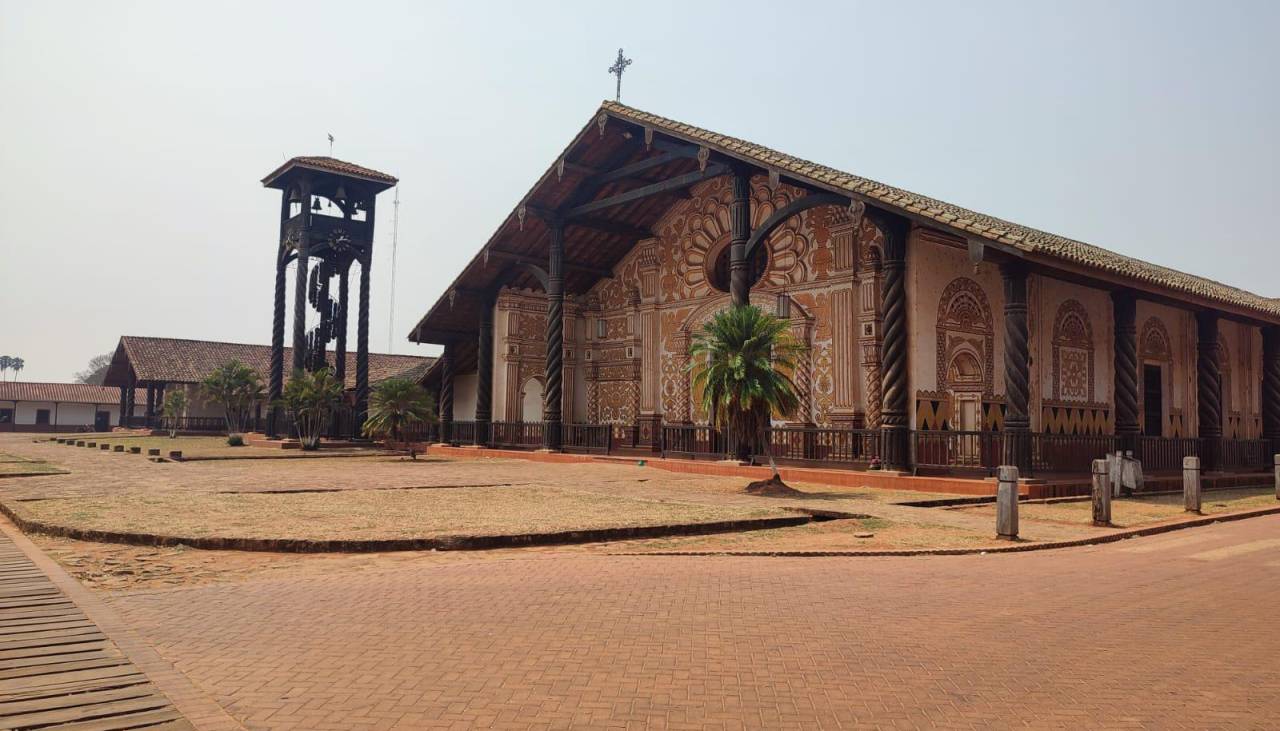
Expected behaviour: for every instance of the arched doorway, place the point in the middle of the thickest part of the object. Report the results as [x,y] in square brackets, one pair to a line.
[531,400]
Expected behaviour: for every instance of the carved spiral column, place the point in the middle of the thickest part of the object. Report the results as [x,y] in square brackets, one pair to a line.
[1271,385]
[895,453]
[1017,369]
[300,280]
[551,416]
[484,374]
[1124,309]
[362,341]
[1208,389]
[124,394]
[739,233]
[446,393]
[276,377]
[340,324]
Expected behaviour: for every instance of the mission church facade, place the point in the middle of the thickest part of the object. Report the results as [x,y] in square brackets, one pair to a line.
[919,317]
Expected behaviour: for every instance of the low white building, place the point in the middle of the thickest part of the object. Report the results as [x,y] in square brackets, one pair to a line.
[55,407]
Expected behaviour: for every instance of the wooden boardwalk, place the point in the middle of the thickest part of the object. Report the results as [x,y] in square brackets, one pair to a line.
[58,671]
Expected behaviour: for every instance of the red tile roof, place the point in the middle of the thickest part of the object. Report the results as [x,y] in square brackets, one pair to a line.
[175,360]
[66,393]
[331,165]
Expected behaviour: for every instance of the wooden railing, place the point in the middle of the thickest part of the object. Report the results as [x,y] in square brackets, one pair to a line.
[961,450]
[462,432]
[692,440]
[1245,454]
[1070,452]
[824,444]
[422,431]
[594,438]
[1164,454]
[519,434]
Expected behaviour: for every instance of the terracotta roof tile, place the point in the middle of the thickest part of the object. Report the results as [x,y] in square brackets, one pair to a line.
[66,393]
[175,360]
[332,165]
[1027,239]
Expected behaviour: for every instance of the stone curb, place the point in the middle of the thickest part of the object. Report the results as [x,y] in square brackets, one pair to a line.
[200,709]
[446,543]
[1150,530]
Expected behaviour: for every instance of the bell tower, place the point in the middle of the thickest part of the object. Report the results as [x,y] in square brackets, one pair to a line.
[326,225]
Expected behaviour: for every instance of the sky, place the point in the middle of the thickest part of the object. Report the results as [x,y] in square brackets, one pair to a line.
[133,135]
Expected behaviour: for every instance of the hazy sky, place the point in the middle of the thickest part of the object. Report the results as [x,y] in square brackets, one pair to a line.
[133,135]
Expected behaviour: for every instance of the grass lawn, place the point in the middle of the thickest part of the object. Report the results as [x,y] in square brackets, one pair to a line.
[376,513]
[11,465]
[1130,512]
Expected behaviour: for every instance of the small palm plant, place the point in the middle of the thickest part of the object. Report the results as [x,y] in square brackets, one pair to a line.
[396,403]
[740,362]
[236,388]
[310,398]
[175,405]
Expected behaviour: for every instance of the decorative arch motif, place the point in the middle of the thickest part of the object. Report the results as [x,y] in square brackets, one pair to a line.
[1155,343]
[1073,361]
[965,324]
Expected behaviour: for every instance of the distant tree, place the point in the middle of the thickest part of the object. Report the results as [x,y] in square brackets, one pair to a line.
[236,388]
[5,363]
[310,398]
[96,372]
[396,403]
[16,364]
[174,405]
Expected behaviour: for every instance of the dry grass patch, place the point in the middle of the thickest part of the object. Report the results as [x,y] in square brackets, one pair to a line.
[1131,512]
[11,465]
[377,514]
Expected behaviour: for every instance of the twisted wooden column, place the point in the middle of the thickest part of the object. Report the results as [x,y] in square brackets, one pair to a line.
[1017,369]
[362,340]
[1208,390]
[340,323]
[300,280]
[739,233]
[555,339]
[1124,309]
[124,393]
[1271,385]
[895,452]
[275,385]
[446,393]
[484,374]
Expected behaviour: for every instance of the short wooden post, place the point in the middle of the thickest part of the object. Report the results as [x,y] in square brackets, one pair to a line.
[175,455]
[1101,494]
[1191,484]
[153,451]
[1277,463]
[135,450]
[1007,503]
[104,446]
[118,448]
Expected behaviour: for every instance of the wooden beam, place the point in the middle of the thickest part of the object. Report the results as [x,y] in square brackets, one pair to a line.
[670,185]
[631,170]
[794,208]
[529,261]
[611,227]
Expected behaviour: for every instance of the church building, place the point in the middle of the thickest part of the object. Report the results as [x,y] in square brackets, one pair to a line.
[938,338]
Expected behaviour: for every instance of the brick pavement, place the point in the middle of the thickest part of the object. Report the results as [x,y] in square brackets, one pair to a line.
[1170,631]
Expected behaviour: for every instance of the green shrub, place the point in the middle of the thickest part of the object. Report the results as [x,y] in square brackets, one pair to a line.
[235,440]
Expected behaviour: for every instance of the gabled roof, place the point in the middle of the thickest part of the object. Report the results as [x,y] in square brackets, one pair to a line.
[175,360]
[611,140]
[66,393]
[330,165]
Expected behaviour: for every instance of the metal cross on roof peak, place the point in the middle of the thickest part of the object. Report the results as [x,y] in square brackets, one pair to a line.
[617,68]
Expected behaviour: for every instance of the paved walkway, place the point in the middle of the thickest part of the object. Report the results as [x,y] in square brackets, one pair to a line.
[1170,631]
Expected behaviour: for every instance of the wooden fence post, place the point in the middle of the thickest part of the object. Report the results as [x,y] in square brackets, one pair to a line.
[1277,463]
[1101,494]
[1007,503]
[1191,484]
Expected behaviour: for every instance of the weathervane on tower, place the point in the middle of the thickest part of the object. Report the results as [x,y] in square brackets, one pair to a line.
[617,68]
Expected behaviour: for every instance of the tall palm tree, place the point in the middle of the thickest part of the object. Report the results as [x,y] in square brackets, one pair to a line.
[741,360]
[396,403]
[16,364]
[5,363]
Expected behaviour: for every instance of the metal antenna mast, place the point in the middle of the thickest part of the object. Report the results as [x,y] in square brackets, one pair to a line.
[395,237]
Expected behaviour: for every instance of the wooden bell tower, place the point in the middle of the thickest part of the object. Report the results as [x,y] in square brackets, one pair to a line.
[326,225]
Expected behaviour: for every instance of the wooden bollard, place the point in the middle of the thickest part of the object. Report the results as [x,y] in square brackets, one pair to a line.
[175,455]
[1007,503]
[1101,494]
[135,450]
[118,448]
[1191,484]
[1277,462]
[153,452]
[90,445]
[104,447]
[79,442]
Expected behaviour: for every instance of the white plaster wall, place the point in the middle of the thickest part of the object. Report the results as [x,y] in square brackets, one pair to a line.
[464,397]
[1180,387]
[60,414]
[930,268]
[1046,297]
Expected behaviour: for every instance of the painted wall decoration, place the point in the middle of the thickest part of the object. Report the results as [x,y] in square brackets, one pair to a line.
[966,338]
[1073,369]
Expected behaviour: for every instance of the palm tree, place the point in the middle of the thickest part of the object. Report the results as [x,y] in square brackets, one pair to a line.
[396,403]
[741,361]
[16,364]
[174,405]
[5,363]
[236,388]
[310,398]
